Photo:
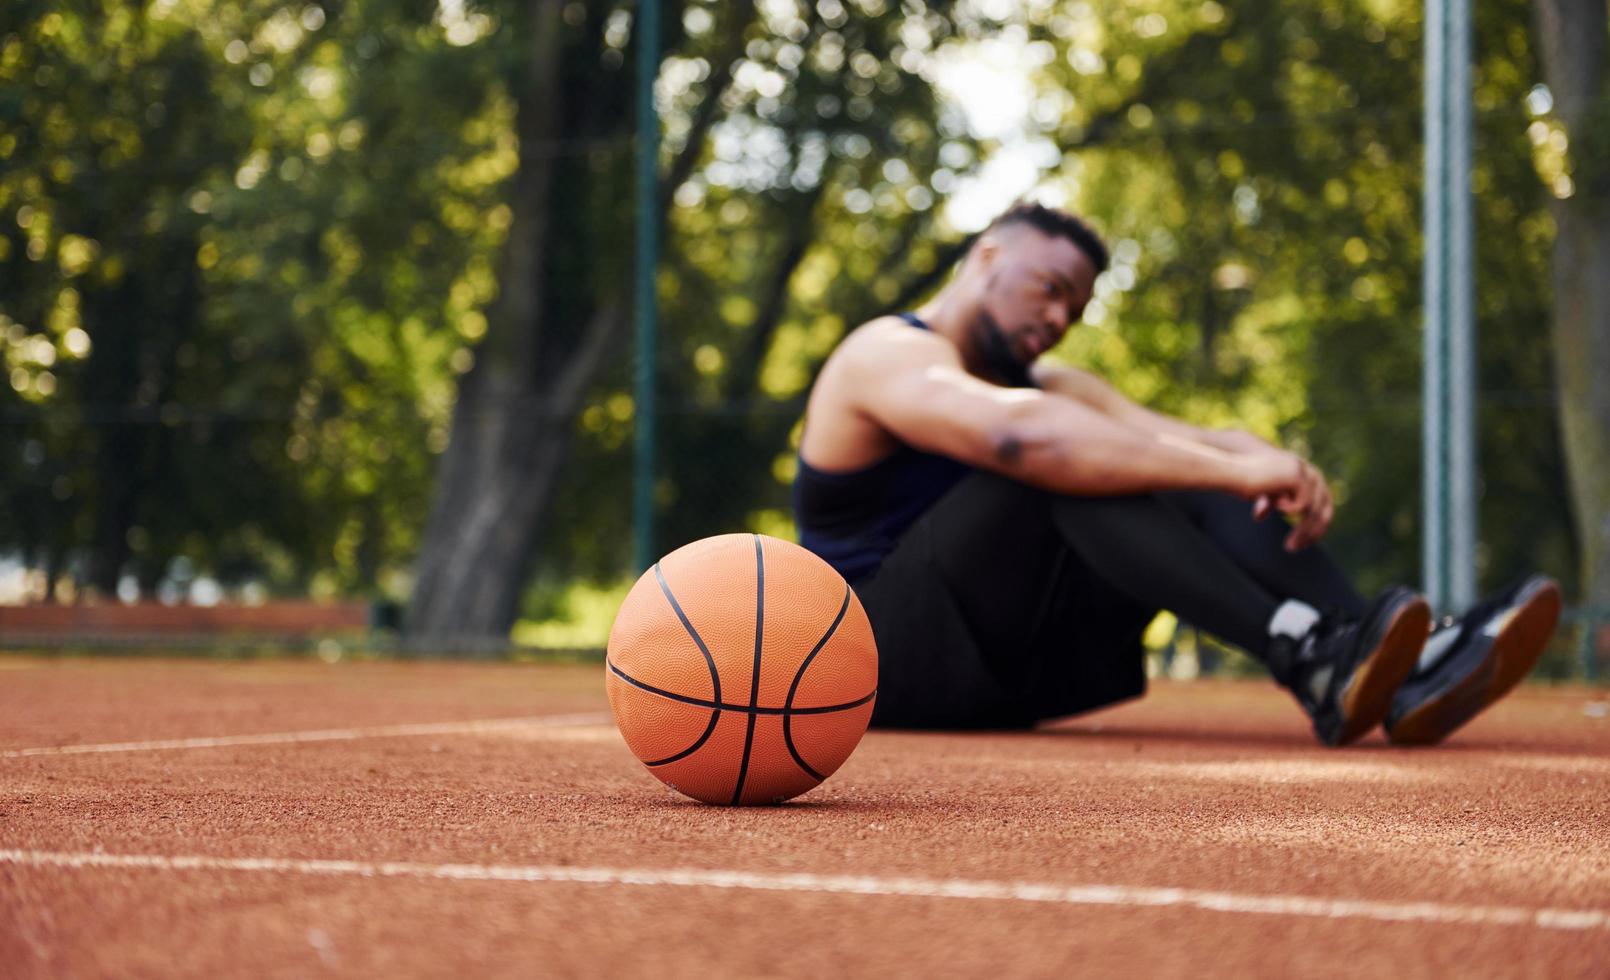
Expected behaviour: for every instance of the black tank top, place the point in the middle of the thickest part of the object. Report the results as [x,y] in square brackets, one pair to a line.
[852,520]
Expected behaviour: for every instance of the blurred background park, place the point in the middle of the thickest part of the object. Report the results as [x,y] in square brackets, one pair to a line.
[334,300]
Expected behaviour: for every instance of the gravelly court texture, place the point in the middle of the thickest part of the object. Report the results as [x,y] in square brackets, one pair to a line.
[184,818]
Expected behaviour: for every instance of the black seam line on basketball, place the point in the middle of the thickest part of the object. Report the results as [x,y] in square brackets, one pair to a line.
[793,689]
[825,709]
[754,683]
[709,661]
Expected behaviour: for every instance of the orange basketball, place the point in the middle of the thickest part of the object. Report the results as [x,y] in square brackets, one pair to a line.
[741,669]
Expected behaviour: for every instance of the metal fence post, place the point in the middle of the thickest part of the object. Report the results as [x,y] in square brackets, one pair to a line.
[647,260]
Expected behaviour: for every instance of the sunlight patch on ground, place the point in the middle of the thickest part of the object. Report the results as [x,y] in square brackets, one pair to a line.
[1285,772]
[592,734]
[1567,765]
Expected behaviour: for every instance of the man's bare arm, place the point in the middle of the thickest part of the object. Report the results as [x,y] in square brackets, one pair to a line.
[1082,386]
[1088,389]
[914,386]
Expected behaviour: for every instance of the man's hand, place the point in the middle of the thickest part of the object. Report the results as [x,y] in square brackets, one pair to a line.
[1314,518]
[1283,481]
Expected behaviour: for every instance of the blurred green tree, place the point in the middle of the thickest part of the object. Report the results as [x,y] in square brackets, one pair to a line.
[1573,156]
[1262,185]
[112,130]
[300,291]
[1257,169]
[801,147]
[241,267]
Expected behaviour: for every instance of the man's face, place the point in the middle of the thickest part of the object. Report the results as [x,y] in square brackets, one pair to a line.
[1036,287]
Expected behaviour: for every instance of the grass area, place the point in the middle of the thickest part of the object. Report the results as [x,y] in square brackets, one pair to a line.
[583,615]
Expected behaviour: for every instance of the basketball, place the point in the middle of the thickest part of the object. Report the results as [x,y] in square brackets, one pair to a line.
[741,669]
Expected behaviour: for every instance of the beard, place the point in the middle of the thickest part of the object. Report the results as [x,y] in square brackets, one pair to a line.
[999,358]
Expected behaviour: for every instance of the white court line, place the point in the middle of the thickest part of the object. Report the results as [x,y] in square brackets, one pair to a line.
[321,735]
[1578,920]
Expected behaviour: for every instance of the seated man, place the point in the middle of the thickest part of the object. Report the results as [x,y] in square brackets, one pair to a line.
[1012,526]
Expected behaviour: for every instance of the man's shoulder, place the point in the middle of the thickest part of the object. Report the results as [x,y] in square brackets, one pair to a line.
[1047,373]
[890,342]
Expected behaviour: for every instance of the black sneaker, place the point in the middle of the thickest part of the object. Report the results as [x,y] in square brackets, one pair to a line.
[1474,660]
[1344,673]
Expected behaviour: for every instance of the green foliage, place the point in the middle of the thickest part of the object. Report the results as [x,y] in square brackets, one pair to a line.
[111,134]
[248,249]
[1258,167]
[260,262]
[811,205]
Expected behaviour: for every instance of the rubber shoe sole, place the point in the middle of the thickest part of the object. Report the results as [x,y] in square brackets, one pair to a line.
[1367,698]
[1521,634]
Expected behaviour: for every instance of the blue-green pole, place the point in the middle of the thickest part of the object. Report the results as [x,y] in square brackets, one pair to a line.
[1434,430]
[1462,525]
[1448,552]
[648,227]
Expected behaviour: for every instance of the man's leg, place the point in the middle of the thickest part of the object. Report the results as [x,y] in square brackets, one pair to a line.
[1258,547]
[985,617]
[1048,627]
[1342,670]
[1151,551]
[1034,579]
[1004,556]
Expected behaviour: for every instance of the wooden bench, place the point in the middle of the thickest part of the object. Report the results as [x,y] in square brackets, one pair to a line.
[295,623]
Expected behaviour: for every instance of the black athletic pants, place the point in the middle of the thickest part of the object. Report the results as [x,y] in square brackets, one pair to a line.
[1004,605]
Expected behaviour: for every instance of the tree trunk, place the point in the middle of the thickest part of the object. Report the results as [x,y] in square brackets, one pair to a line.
[503,461]
[495,480]
[1574,34]
[115,375]
[516,409]
[133,370]
[54,566]
[1581,277]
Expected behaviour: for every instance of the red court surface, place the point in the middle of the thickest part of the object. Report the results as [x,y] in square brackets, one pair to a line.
[189,819]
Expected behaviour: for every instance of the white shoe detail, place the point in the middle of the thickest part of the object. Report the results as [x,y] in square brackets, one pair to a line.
[1500,622]
[1293,619]
[1437,647]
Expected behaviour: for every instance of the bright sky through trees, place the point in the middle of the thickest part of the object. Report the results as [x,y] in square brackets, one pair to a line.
[989,82]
